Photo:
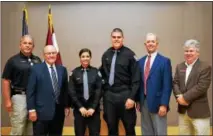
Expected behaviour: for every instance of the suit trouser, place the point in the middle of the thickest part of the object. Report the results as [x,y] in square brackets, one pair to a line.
[192,126]
[152,123]
[93,122]
[50,127]
[114,110]
[20,125]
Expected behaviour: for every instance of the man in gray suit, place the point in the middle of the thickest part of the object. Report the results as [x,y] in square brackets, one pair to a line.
[191,82]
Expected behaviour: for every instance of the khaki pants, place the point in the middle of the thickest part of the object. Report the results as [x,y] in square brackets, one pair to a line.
[190,126]
[20,125]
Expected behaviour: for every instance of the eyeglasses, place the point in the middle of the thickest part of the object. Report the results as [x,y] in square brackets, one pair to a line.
[118,37]
[49,53]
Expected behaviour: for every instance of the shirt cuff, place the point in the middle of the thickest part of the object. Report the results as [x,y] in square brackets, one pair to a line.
[33,110]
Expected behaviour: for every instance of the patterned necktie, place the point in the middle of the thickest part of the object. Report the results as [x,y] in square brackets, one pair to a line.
[112,69]
[146,72]
[86,88]
[55,84]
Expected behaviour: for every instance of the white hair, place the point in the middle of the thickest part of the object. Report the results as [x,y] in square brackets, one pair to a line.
[192,43]
[149,34]
[47,46]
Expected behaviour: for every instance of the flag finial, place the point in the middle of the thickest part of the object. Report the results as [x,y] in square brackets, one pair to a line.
[24,7]
[25,21]
[49,8]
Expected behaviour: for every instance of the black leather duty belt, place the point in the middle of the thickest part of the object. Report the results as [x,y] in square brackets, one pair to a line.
[18,91]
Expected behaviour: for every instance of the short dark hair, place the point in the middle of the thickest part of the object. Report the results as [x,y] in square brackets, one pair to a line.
[85,50]
[117,30]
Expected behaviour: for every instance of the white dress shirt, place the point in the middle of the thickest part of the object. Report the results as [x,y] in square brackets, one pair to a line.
[188,70]
[49,69]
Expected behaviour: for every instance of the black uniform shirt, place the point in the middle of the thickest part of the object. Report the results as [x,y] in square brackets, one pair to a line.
[77,88]
[127,71]
[17,69]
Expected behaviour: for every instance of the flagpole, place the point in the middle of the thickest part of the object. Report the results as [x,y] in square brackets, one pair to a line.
[24,21]
[50,18]
[49,8]
[24,7]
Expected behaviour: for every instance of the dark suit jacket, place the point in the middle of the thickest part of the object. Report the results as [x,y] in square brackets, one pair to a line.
[40,93]
[195,90]
[159,83]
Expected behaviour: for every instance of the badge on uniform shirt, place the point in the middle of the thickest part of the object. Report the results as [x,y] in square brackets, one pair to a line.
[136,58]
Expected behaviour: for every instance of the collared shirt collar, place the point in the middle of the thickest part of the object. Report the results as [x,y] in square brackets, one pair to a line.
[154,54]
[190,64]
[48,65]
[26,57]
[118,50]
[82,68]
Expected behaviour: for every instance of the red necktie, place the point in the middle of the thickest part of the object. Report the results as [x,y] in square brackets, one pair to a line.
[146,72]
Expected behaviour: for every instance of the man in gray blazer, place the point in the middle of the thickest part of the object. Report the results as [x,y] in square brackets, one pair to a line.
[191,82]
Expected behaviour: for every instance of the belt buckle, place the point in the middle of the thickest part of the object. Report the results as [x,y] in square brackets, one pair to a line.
[19,91]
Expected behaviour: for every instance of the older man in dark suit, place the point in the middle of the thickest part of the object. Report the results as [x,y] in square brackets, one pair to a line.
[47,95]
[191,82]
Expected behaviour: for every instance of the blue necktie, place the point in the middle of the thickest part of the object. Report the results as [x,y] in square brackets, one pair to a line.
[55,84]
[112,69]
[86,88]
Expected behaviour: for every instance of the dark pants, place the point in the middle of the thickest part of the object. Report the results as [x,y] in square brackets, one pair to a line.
[114,110]
[93,123]
[50,127]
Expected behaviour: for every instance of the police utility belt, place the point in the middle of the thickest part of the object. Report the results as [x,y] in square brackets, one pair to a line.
[17,90]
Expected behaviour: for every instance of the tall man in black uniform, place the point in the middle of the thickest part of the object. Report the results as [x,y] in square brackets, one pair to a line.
[14,82]
[121,74]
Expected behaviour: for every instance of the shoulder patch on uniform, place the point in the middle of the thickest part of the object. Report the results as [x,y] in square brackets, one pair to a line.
[136,58]
[99,74]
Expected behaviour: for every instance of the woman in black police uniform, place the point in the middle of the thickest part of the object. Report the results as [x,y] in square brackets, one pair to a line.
[85,93]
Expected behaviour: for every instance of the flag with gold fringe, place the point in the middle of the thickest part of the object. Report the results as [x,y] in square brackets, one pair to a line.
[51,37]
[25,22]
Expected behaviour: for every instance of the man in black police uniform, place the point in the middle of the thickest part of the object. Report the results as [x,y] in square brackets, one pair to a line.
[121,74]
[14,82]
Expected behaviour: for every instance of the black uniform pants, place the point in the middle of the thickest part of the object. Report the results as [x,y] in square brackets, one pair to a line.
[93,123]
[50,127]
[114,109]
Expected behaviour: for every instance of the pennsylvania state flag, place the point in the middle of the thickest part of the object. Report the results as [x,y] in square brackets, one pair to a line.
[25,22]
